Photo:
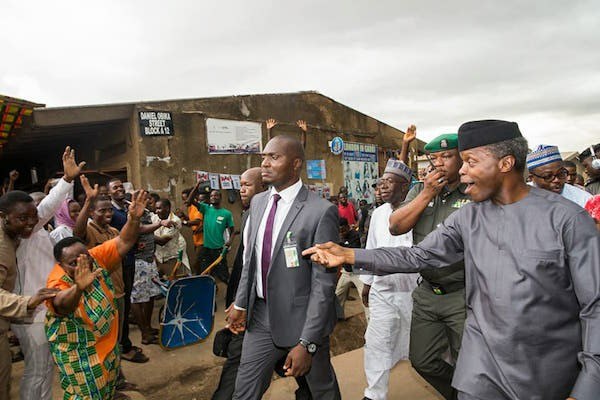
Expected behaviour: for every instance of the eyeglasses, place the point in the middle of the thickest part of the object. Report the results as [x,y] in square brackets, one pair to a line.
[388,181]
[560,174]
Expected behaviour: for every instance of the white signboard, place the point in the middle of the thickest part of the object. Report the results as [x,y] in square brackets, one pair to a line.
[233,137]
[214,181]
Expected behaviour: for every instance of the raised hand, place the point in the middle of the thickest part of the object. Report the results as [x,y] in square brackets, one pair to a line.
[410,135]
[330,255]
[90,193]
[138,204]
[84,276]
[302,125]
[271,122]
[13,175]
[70,166]
[41,296]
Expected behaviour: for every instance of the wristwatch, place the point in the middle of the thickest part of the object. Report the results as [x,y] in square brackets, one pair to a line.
[310,347]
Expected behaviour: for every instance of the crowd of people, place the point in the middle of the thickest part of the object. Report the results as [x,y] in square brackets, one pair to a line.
[485,273]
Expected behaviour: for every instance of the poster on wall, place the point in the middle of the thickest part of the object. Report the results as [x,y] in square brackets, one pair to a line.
[315,169]
[226,181]
[214,181]
[361,170]
[233,137]
[201,176]
[236,181]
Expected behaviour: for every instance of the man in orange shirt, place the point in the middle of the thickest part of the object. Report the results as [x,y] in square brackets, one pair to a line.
[82,323]
[195,219]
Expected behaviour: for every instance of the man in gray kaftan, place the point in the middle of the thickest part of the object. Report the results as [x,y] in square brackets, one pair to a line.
[532,295]
[532,265]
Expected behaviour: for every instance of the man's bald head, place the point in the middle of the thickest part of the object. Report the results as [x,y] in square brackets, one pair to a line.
[252,174]
[283,158]
[292,145]
[250,184]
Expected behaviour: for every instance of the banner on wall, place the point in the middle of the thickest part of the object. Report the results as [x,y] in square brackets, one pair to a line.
[361,170]
[233,137]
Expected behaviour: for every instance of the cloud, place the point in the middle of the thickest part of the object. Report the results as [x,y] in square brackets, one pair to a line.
[436,64]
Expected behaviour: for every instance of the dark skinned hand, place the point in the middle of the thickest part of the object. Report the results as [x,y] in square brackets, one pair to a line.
[434,183]
[365,295]
[41,296]
[236,320]
[298,362]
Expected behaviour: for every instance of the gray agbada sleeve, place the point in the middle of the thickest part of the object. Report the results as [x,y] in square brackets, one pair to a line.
[441,248]
[582,248]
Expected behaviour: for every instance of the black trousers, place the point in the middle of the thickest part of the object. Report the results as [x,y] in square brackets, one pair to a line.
[206,257]
[128,276]
[230,368]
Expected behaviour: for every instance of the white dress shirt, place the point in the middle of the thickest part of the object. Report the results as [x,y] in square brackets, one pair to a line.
[284,204]
[35,257]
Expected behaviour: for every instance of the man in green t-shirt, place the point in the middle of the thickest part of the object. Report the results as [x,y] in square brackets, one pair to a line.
[216,221]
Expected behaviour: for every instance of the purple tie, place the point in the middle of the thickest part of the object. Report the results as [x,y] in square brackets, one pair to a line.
[268,243]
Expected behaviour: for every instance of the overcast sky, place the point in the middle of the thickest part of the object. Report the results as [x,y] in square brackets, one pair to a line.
[433,63]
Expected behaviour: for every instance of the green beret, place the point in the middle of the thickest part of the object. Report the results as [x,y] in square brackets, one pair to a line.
[443,142]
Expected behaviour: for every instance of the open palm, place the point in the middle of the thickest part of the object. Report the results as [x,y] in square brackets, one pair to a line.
[90,192]
[138,203]
[84,276]
[411,134]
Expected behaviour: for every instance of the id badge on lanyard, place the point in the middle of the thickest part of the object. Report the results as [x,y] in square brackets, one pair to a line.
[290,250]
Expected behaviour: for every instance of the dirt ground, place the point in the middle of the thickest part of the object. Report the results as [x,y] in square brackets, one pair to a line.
[192,373]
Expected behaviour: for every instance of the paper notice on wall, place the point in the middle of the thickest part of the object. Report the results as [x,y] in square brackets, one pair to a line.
[226,182]
[233,137]
[201,176]
[214,181]
[236,182]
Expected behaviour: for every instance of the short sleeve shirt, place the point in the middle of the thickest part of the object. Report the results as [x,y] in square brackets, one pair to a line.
[216,221]
[198,234]
[348,211]
[440,208]
[106,255]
